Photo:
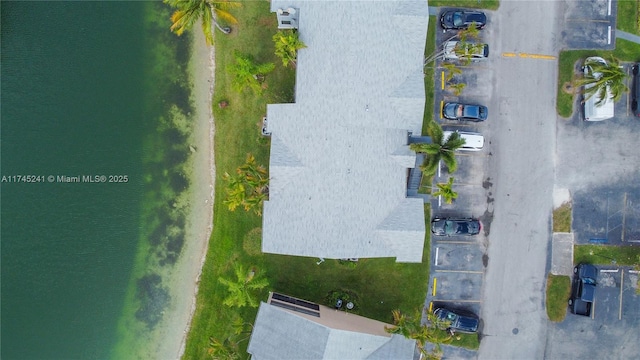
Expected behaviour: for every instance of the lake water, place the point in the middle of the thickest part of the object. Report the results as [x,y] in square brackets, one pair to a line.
[80,110]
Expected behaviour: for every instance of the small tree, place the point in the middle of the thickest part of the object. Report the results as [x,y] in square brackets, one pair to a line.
[446,190]
[287,44]
[242,289]
[246,73]
[248,187]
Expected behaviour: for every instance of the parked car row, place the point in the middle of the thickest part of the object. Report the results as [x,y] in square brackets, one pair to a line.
[453,319]
[453,50]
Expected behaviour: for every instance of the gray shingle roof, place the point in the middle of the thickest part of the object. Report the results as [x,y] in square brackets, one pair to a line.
[338,162]
[279,334]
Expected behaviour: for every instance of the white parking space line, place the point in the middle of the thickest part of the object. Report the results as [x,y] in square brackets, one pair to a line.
[435,261]
[458,301]
[609,10]
[610,271]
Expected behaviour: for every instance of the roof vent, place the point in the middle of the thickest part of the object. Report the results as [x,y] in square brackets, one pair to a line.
[287,18]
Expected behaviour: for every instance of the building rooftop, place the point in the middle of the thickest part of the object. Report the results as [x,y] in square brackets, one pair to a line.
[281,333]
[339,154]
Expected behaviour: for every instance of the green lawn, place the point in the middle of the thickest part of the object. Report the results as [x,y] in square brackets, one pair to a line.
[429,74]
[558,292]
[380,285]
[475,4]
[625,51]
[606,254]
[629,16]
[562,218]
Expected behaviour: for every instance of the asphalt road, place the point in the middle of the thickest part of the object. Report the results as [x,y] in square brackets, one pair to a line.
[523,127]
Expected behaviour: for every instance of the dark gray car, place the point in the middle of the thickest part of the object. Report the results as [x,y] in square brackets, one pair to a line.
[465,112]
[452,226]
[462,19]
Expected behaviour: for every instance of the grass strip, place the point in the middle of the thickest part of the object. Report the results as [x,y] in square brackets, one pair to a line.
[473,4]
[558,292]
[562,218]
[607,254]
[629,16]
[429,75]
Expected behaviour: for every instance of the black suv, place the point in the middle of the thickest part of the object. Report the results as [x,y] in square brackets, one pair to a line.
[457,322]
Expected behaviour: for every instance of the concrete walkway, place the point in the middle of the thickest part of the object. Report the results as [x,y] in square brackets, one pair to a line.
[562,254]
[619,34]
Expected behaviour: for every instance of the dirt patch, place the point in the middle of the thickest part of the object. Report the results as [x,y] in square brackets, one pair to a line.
[568,88]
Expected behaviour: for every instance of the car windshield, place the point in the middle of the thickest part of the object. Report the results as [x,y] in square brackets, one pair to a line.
[449,227]
[451,316]
[457,19]
[482,112]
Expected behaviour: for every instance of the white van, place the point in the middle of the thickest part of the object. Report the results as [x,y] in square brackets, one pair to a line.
[472,141]
[591,111]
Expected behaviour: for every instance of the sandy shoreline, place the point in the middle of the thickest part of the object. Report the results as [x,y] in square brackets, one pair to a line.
[170,337]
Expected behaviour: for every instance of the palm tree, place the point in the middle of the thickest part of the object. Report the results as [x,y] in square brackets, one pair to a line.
[287,44]
[457,88]
[188,12]
[440,149]
[242,289]
[445,189]
[605,78]
[246,73]
[463,35]
[431,331]
[452,70]
[403,324]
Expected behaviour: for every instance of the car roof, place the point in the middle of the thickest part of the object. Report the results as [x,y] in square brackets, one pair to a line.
[471,139]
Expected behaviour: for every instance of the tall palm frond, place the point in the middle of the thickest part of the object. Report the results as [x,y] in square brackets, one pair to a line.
[603,80]
[188,12]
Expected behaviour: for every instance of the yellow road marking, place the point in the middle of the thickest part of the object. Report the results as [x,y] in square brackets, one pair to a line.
[508,54]
[430,306]
[435,281]
[442,77]
[441,108]
[460,271]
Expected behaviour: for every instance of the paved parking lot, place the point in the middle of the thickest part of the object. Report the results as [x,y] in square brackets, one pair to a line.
[612,332]
[589,24]
[607,215]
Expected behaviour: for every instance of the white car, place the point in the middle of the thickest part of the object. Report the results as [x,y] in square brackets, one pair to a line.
[472,141]
[456,50]
[593,112]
